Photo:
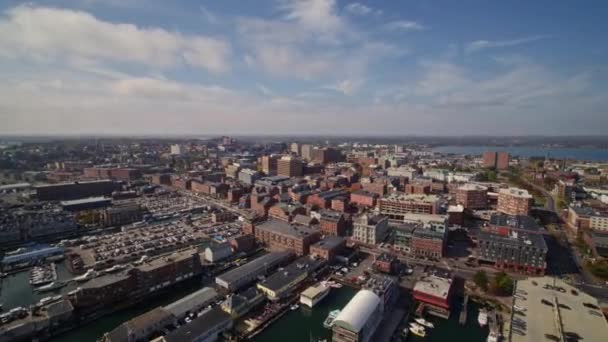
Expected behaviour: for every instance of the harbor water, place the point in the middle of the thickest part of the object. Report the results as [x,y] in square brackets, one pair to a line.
[593,154]
[305,325]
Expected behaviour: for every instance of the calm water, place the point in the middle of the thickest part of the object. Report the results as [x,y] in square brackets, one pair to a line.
[94,330]
[594,154]
[302,324]
[447,330]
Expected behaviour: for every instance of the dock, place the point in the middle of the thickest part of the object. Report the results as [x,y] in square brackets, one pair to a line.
[463,312]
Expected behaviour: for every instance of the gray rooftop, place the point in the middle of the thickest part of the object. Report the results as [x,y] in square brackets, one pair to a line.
[566,313]
[254,265]
[284,228]
[199,326]
[192,301]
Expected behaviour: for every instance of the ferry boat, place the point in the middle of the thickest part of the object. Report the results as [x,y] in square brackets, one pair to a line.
[329,320]
[314,294]
[424,322]
[51,287]
[482,318]
[493,337]
[417,329]
[90,274]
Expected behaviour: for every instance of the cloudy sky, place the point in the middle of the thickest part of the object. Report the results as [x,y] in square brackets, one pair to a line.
[396,67]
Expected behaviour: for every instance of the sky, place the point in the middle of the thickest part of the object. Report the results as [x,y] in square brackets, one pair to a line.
[276,67]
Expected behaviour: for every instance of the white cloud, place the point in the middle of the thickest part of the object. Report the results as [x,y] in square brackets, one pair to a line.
[486,44]
[316,15]
[50,34]
[358,9]
[405,25]
[347,87]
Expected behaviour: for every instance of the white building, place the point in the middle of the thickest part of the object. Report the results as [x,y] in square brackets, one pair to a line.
[177,149]
[370,230]
[359,319]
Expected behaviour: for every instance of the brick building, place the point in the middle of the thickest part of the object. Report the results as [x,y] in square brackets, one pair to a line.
[281,235]
[472,196]
[514,201]
[289,166]
[332,223]
[396,205]
[328,247]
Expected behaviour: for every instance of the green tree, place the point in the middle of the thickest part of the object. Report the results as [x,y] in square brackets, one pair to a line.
[481,280]
[502,284]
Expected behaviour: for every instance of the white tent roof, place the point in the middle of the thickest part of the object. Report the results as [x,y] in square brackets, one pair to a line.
[357,312]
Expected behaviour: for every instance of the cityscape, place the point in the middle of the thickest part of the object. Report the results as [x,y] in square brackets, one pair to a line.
[303,171]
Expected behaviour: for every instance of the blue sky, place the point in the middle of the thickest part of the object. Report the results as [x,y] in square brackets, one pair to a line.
[304,67]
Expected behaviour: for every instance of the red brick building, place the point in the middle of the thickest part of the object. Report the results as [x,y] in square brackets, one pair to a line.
[281,235]
[333,223]
[363,198]
[328,248]
[418,188]
[472,196]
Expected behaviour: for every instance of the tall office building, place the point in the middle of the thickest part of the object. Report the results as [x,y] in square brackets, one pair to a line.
[289,167]
[306,152]
[269,165]
[496,160]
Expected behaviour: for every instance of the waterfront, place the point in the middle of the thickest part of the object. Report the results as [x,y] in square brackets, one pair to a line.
[450,329]
[94,330]
[594,154]
[17,291]
[305,325]
[302,324]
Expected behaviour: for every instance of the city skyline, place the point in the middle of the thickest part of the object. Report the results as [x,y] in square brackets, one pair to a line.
[285,67]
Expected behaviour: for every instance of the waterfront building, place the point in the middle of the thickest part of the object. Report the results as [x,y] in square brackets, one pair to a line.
[104,291]
[242,276]
[514,201]
[328,248]
[386,263]
[30,257]
[283,281]
[205,328]
[281,235]
[141,327]
[518,250]
[359,319]
[548,306]
[238,304]
[472,196]
[396,205]
[370,230]
[436,292]
[193,302]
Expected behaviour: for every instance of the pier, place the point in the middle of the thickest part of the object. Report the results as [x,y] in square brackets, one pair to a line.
[463,312]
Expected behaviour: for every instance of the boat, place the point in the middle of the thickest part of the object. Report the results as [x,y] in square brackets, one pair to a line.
[482,318]
[90,274]
[417,329]
[329,320]
[404,333]
[115,268]
[424,322]
[314,294]
[51,287]
[492,337]
[519,308]
[294,307]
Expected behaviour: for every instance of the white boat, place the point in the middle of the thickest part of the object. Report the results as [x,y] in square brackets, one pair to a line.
[294,307]
[90,274]
[329,320]
[492,337]
[424,322]
[482,318]
[51,287]
[519,308]
[314,294]
[405,333]
[417,329]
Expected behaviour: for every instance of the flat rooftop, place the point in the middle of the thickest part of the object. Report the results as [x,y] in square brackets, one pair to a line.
[517,192]
[86,201]
[565,314]
[284,228]
[402,197]
[434,286]
[329,242]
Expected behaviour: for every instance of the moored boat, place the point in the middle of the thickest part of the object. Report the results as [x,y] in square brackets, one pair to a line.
[329,320]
